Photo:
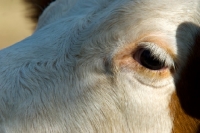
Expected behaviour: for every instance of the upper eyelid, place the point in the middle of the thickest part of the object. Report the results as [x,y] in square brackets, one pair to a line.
[158,52]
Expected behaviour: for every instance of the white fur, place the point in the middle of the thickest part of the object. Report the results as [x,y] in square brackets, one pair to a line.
[64,78]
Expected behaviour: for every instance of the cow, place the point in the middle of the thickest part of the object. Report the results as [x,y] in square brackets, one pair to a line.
[101,66]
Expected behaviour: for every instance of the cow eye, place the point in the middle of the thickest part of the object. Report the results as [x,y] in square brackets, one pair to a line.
[146,58]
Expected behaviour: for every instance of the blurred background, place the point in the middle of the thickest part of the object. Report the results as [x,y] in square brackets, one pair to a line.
[15,22]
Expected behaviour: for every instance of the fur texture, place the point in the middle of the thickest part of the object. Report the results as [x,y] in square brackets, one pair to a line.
[81,69]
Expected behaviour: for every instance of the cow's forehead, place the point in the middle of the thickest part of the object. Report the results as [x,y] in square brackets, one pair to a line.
[122,13]
[121,17]
[67,8]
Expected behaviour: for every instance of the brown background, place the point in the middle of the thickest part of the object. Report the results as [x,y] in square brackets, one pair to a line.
[15,23]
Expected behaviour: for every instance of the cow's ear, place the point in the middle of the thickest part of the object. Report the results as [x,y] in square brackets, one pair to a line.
[188,84]
[36,7]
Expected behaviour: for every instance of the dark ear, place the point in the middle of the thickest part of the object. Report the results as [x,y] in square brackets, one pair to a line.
[36,7]
[188,86]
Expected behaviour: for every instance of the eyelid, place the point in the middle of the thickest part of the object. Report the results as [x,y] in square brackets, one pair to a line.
[158,52]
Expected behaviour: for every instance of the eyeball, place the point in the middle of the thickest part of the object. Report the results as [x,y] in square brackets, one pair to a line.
[147,59]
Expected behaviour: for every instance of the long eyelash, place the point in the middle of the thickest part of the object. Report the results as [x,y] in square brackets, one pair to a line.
[159,53]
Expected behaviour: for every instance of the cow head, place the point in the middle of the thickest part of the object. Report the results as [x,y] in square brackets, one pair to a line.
[99,66]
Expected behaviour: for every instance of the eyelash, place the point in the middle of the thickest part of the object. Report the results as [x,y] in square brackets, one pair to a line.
[146,58]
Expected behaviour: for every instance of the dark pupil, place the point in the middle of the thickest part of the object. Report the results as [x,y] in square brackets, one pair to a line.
[149,61]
